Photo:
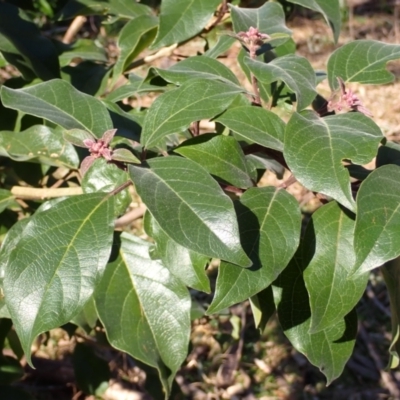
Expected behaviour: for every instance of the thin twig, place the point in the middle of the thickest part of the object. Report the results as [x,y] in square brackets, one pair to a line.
[119,188]
[73,29]
[30,193]
[223,9]
[164,52]
[130,216]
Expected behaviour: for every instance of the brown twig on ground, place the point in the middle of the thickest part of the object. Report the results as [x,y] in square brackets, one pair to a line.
[223,9]
[130,216]
[31,193]
[73,29]
[386,377]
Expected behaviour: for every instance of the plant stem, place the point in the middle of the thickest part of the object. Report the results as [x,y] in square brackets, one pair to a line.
[119,188]
[23,192]
[254,81]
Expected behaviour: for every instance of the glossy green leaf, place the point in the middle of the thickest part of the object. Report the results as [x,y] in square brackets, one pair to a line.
[263,307]
[53,269]
[6,199]
[329,9]
[104,177]
[59,102]
[197,67]
[269,223]
[124,155]
[329,349]
[294,70]
[23,44]
[85,49]
[120,8]
[135,299]
[333,292]
[376,237]
[134,88]
[316,147]
[176,109]
[225,158]
[134,37]
[9,243]
[190,207]
[182,19]
[362,61]
[77,137]
[41,144]
[87,318]
[269,19]
[255,125]
[186,265]
[391,275]
[224,43]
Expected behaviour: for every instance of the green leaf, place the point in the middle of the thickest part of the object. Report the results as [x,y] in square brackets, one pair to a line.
[269,223]
[23,45]
[269,19]
[263,307]
[134,37]
[9,243]
[391,275]
[315,148]
[329,9]
[186,265]
[40,144]
[190,207]
[87,318]
[225,158]
[124,155]
[92,373]
[59,102]
[182,19]
[362,61]
[224,43]
[53,269]
[175,110]
[135,299]
[135,86]
[85,49]
[255,125]
[333,292]
[197,67]
[10,370]
[329,349]
[376,238]
[294,70]
[6,198]
[120,8]
[105,177]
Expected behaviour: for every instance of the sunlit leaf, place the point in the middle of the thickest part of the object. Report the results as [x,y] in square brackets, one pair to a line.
[225,158]
[190,207]
[255,125]
[316,147]
[362,61]
[53,269]
[376,238]
[182,19]
[136,298]
[329,246]
[269,223]
[41,144]
[59,102]
[175,110]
